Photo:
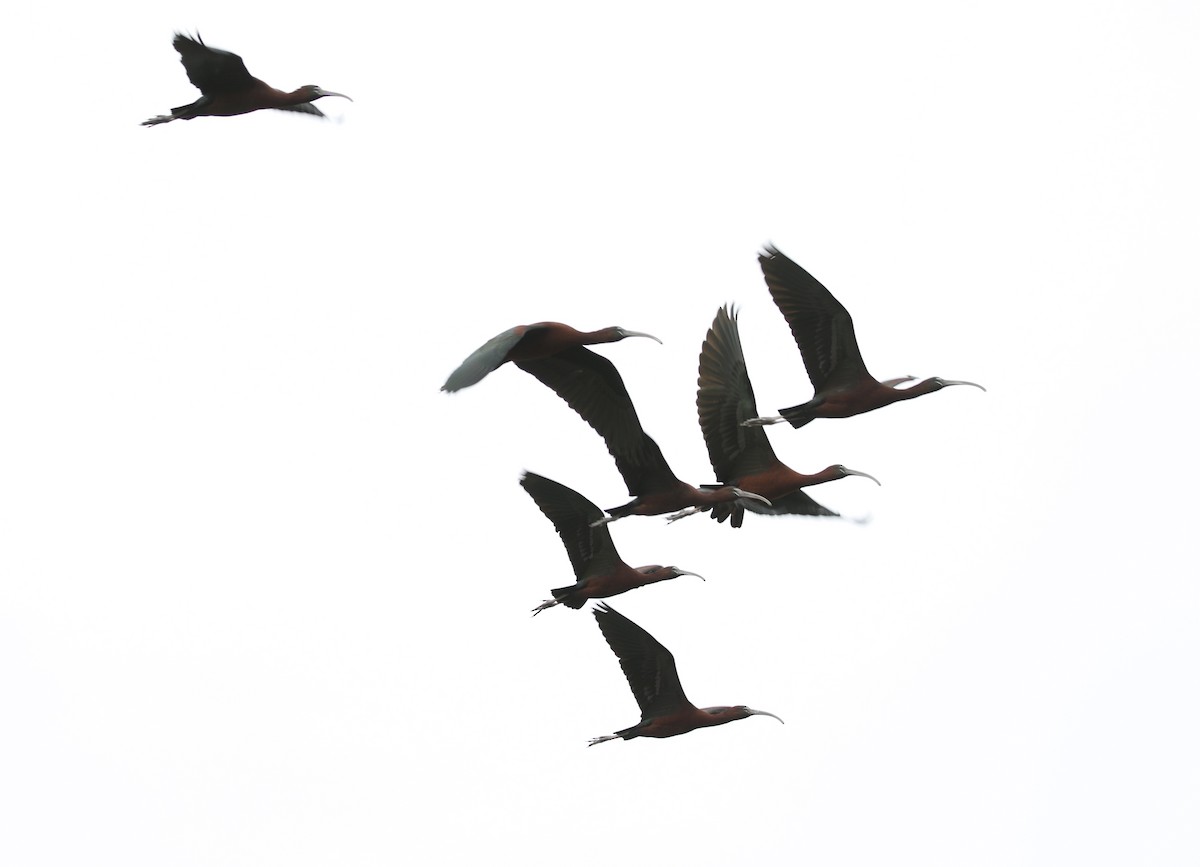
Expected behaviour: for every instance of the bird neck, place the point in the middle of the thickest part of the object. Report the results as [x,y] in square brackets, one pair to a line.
[604,335]
[295,97]
[715,716]
[925,386]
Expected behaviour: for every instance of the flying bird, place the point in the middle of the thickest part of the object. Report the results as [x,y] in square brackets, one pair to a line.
[591,386]
[743,456]
[825,334]
[598,567]
[526,342]
[229,89]
[650,669]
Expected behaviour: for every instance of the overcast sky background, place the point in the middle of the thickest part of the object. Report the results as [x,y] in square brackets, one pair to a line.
[265,591]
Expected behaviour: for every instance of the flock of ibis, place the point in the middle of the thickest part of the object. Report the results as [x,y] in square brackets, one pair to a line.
[749,477]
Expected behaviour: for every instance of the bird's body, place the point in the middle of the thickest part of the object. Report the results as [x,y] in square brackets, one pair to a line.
[600,571]
[824,331]
[591,386]
[742,456]
[650,669]
[229,89]
[527,342]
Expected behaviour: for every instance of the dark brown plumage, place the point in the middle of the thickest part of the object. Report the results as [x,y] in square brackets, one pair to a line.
[824,331]
[600,571]
[527,342]
[228,88]
[743,456]
[591,386]
[650,669]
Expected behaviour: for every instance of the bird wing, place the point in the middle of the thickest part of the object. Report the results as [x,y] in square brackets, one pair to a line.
[303,108]
[211,69]
[821,326]
[795,503]
[725,399]
[590,548]
[649,667]
[591,385]
[485,359]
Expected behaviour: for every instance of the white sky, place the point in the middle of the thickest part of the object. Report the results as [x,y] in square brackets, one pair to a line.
[265,592]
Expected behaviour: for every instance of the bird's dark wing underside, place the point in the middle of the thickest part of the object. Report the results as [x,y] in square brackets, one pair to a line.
[591,386]
[795,503]
[485,359]
[649,667]
[724,399]
[303,108]
[821,326]
[211,69]
[590,548]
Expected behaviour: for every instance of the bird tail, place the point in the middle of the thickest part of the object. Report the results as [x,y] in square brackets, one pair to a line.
[568,597]
[799,415]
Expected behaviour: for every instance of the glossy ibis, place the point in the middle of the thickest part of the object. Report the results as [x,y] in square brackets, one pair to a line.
[591,386]
[650,669]
[740,455]
[228,88]
[598,567]
[823,330]
[525,342]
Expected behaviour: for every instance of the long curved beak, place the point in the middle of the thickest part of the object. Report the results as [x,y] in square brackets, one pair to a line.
[962,382]
[851,472]
[685,572]
[754,712]
[627,333]
[332,93]
[749,496]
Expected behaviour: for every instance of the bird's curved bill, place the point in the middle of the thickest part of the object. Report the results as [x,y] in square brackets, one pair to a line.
[851,472]
[333,93]
[962,382]
[754,712]
[685,572]
[627,333]
[746,495]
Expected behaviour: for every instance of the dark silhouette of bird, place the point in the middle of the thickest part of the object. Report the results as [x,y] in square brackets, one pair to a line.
[598,567]
[526,342]
[229,89]
[650,669]
[824,332]
[743,456]
[591,386]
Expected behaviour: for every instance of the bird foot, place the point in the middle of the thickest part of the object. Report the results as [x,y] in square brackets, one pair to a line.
[157,119]
[762,421]
[549,603]
[602,739]
[690,510]
[607,519]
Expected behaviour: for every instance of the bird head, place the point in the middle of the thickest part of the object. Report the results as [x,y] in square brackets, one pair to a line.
[665,573]
[314,92]
[840,471]
[939,383]
[622,333]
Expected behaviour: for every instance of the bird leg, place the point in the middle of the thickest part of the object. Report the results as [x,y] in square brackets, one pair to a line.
[549,603]
[690,510]
[602,739]
[607,519]
[159,118]
[762,421]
